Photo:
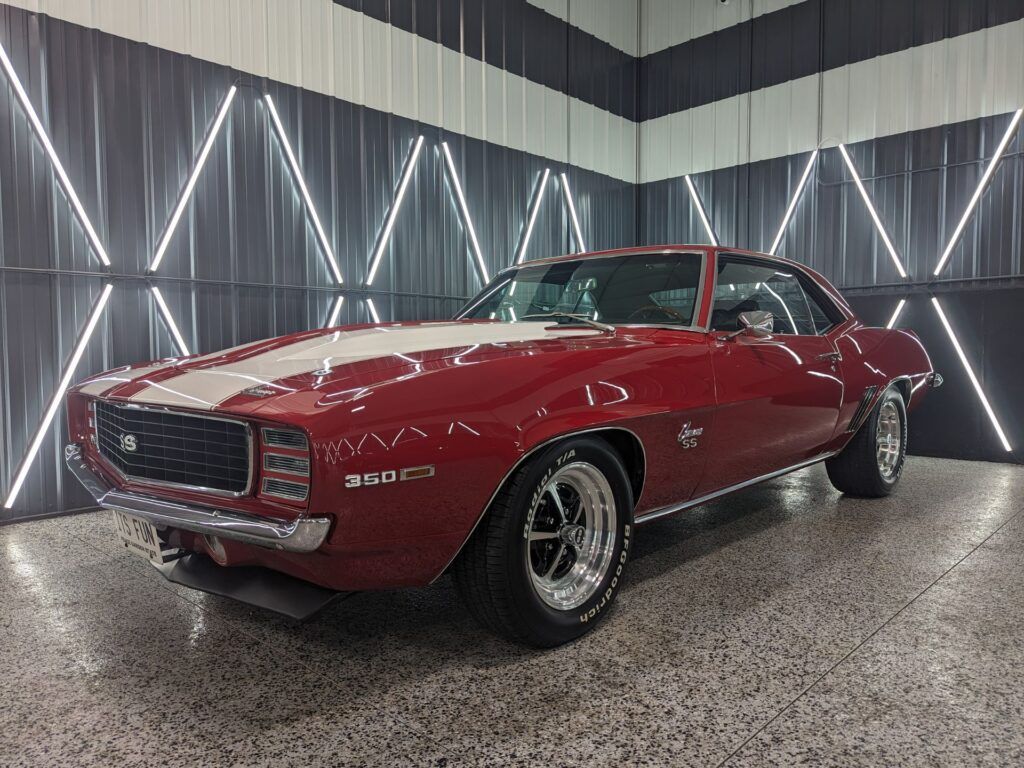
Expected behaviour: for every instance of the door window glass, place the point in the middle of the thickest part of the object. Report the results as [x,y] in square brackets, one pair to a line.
[744,286]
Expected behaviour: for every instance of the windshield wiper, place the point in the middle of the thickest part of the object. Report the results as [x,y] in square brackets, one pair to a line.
[610,329]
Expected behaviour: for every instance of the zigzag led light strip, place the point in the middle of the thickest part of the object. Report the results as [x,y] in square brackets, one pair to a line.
[1011,129]
[577,232]
[538,195]
[970,375]
[874,214]
[467,221]
[335,314]
[172,326]
[58,396]
[797,194]
[373,310]
[300,180]
[389,222]
[190,185]
[699,205]
[58,167]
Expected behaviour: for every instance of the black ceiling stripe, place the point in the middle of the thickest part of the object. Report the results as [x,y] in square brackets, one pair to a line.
[783,45]
[522,39]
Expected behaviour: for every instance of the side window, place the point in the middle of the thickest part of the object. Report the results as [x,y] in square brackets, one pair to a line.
[746,286]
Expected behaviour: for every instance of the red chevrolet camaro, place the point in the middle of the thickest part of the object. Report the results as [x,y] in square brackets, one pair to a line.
[518,446]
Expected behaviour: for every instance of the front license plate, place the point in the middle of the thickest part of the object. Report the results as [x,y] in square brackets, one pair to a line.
[138,536]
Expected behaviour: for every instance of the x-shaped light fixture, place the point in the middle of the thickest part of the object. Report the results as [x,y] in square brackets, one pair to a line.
[95,314]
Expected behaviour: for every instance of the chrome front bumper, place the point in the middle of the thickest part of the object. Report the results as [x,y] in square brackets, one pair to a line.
[302,535]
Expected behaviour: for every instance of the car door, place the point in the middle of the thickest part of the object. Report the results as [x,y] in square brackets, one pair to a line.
[778,396]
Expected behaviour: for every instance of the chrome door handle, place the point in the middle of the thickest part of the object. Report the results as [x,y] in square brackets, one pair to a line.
[834,357]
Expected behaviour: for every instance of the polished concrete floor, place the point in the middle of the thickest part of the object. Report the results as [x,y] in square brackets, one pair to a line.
[784,625]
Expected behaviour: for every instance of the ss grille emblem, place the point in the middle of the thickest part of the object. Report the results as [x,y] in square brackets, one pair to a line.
[129,443]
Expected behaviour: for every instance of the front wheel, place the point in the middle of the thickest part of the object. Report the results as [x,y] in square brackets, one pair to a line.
[546,562]
[872,462]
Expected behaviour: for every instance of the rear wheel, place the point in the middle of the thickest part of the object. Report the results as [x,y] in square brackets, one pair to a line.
[546,562]
[872,462]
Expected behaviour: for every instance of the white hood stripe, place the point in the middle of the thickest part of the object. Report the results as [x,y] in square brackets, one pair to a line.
[207,388]
[101,386]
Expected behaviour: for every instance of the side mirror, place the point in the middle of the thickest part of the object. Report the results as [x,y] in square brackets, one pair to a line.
[758,323]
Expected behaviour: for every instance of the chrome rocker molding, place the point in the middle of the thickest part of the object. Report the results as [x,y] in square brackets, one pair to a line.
[303,535]
[654,514]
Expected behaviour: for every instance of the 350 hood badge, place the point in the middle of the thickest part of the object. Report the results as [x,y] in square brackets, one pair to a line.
[688,435]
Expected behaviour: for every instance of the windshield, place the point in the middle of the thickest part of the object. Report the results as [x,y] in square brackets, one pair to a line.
[656,288]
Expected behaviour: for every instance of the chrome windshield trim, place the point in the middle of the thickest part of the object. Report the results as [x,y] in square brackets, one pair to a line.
[654,514]
[304,534]
[698,298]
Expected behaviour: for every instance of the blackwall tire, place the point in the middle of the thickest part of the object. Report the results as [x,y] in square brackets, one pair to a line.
[871,464]
[548,559]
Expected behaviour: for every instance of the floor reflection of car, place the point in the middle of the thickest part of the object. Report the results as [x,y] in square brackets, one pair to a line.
[519,446]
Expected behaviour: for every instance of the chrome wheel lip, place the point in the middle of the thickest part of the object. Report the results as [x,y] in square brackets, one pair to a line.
[586,534]
[888,439]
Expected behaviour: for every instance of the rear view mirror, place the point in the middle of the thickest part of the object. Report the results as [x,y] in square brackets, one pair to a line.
[757,323]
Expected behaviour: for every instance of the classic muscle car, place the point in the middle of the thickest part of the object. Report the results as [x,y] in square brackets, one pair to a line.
[520,446]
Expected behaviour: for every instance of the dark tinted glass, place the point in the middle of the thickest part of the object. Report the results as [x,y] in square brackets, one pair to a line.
[642,289]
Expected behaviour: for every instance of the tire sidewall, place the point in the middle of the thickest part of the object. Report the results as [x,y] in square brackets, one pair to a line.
[553,625]
[891,395]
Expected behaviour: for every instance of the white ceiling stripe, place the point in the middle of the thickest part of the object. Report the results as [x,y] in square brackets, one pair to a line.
[885,96]
[364,61]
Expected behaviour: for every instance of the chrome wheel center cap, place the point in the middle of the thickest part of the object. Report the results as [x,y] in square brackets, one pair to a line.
[572,535]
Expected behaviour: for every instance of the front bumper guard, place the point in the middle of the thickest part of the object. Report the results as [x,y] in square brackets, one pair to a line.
[302,535]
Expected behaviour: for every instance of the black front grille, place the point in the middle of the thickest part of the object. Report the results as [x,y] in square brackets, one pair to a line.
[175,448]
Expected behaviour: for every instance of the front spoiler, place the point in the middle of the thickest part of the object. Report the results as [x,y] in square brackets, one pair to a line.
[260,587]
[302,535]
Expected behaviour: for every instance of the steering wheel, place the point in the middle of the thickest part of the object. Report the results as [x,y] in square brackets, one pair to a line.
[644,314]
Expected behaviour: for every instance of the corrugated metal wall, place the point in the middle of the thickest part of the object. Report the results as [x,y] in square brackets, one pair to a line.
[127,120]
[922,94]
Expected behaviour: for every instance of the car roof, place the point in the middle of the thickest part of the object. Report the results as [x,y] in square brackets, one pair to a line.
[667,248]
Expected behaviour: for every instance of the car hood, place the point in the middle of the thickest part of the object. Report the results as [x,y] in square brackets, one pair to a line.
[312,364]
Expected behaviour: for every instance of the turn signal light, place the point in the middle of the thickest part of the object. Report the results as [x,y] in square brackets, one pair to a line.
[285,465]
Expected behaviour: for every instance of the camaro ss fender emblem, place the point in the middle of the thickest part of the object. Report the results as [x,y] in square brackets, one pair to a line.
[129,443]
[389,476]
[688,435]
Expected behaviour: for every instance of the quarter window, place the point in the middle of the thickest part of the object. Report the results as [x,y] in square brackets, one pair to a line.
[746,286]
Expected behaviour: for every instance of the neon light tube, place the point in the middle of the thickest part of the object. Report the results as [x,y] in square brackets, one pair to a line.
[58,168]
[186,193]
[538,195]
[700,209]
[58,396]
[874,214]
[977,193]
[971,376]
[577,232]
[373,310]
[797,194]
[335,312]
[896,315]
[169,321]
[464,210]
[325,243]
[389,222]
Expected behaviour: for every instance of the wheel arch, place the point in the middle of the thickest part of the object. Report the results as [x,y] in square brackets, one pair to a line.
[623,441]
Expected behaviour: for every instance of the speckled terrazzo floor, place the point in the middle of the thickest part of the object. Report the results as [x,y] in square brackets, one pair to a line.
[784,625]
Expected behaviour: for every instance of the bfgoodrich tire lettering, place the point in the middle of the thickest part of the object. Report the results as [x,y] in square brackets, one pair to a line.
[548,559]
